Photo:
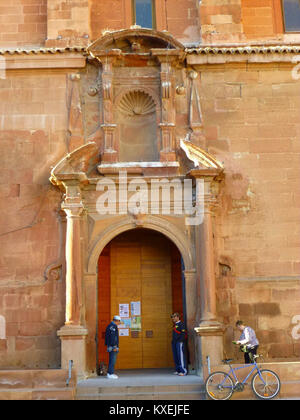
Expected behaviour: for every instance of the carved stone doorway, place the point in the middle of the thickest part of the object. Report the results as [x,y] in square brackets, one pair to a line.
[141,266]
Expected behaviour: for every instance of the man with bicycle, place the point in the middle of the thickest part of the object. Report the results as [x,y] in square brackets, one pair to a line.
[247,340]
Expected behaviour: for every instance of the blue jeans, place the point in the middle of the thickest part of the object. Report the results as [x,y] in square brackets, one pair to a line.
[112,362]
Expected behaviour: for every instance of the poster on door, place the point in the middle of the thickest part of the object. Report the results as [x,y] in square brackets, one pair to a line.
[135,308]
[126,323]
[124,310]
[136,323]
[124,332]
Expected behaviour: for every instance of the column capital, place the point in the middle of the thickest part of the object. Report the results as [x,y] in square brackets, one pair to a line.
[73,210]
[72,204]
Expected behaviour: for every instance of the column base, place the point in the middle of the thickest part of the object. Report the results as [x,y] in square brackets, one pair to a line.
[209,344]
[73,347]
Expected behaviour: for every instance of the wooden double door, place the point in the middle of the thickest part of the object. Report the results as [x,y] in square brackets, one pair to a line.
[141,267]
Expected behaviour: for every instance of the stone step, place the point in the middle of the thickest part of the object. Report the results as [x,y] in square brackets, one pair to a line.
[50,378]
[37,384]
[161,396]
[166,392]
[38,394]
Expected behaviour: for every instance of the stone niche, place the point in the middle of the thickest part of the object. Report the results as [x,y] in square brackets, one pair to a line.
[138,75]
[136,121]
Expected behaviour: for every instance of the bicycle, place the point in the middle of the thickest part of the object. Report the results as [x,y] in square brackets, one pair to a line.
[265,383]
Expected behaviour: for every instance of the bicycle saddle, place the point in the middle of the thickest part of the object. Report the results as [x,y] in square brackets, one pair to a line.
[227,361]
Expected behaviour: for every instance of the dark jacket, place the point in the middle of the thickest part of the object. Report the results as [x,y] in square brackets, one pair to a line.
[179,333]
[112,335]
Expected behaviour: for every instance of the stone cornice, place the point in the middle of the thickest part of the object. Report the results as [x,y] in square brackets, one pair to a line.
[43,58]
[41,50]
[206,55]
[75,57]
[204,50]
[244,49]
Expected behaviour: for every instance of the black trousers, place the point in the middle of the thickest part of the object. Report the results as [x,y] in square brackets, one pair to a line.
[252,351]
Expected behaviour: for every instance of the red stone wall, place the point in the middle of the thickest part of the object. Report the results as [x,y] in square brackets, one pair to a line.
[32,138]
[262,18]
[251,117]
[23,22]
[109,15]
[226,21]
[221,21]
[61,22]
[270,307]
[182,18]
[67,22]
[179,17]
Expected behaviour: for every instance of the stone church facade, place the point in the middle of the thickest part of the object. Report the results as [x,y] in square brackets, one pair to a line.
[96,110]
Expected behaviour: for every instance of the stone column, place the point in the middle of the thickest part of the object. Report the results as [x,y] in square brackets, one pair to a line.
[209,331]
[73,334]
[191,311]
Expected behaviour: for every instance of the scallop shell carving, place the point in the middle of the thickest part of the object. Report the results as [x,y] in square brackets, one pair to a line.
[136,103]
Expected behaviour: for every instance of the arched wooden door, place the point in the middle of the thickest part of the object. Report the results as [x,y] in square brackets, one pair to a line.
[140,267]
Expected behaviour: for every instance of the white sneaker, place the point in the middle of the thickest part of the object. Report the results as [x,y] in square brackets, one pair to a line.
[112,376]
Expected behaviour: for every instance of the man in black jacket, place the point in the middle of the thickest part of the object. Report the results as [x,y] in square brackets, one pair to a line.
[112,343]
[179,336]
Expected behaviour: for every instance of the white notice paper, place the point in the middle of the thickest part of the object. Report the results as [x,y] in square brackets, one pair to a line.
[124,310]
[124,332]
[135,308]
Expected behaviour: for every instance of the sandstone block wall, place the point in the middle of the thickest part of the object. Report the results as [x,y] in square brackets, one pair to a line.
[262,19]
[179,17]
[221,21]
[32,137]
[251,115]
[63,23]
[23,22]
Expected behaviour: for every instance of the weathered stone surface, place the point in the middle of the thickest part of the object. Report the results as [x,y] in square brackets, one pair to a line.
[250,115]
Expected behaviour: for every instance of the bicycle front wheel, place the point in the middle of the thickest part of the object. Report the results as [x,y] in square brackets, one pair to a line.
[265,384]
[219,386]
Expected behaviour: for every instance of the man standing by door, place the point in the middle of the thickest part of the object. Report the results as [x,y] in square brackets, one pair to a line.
[112,343]
[178,345]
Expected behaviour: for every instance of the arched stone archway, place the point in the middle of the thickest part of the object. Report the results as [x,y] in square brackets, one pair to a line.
[140,265]
[152,223]
[168,229]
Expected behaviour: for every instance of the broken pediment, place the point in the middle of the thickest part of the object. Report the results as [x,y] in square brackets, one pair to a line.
[76,165]
[136,41]
[199,159]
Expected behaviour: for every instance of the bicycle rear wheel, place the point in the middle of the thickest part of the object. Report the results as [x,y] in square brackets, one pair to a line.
[219,386]
[265,385]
